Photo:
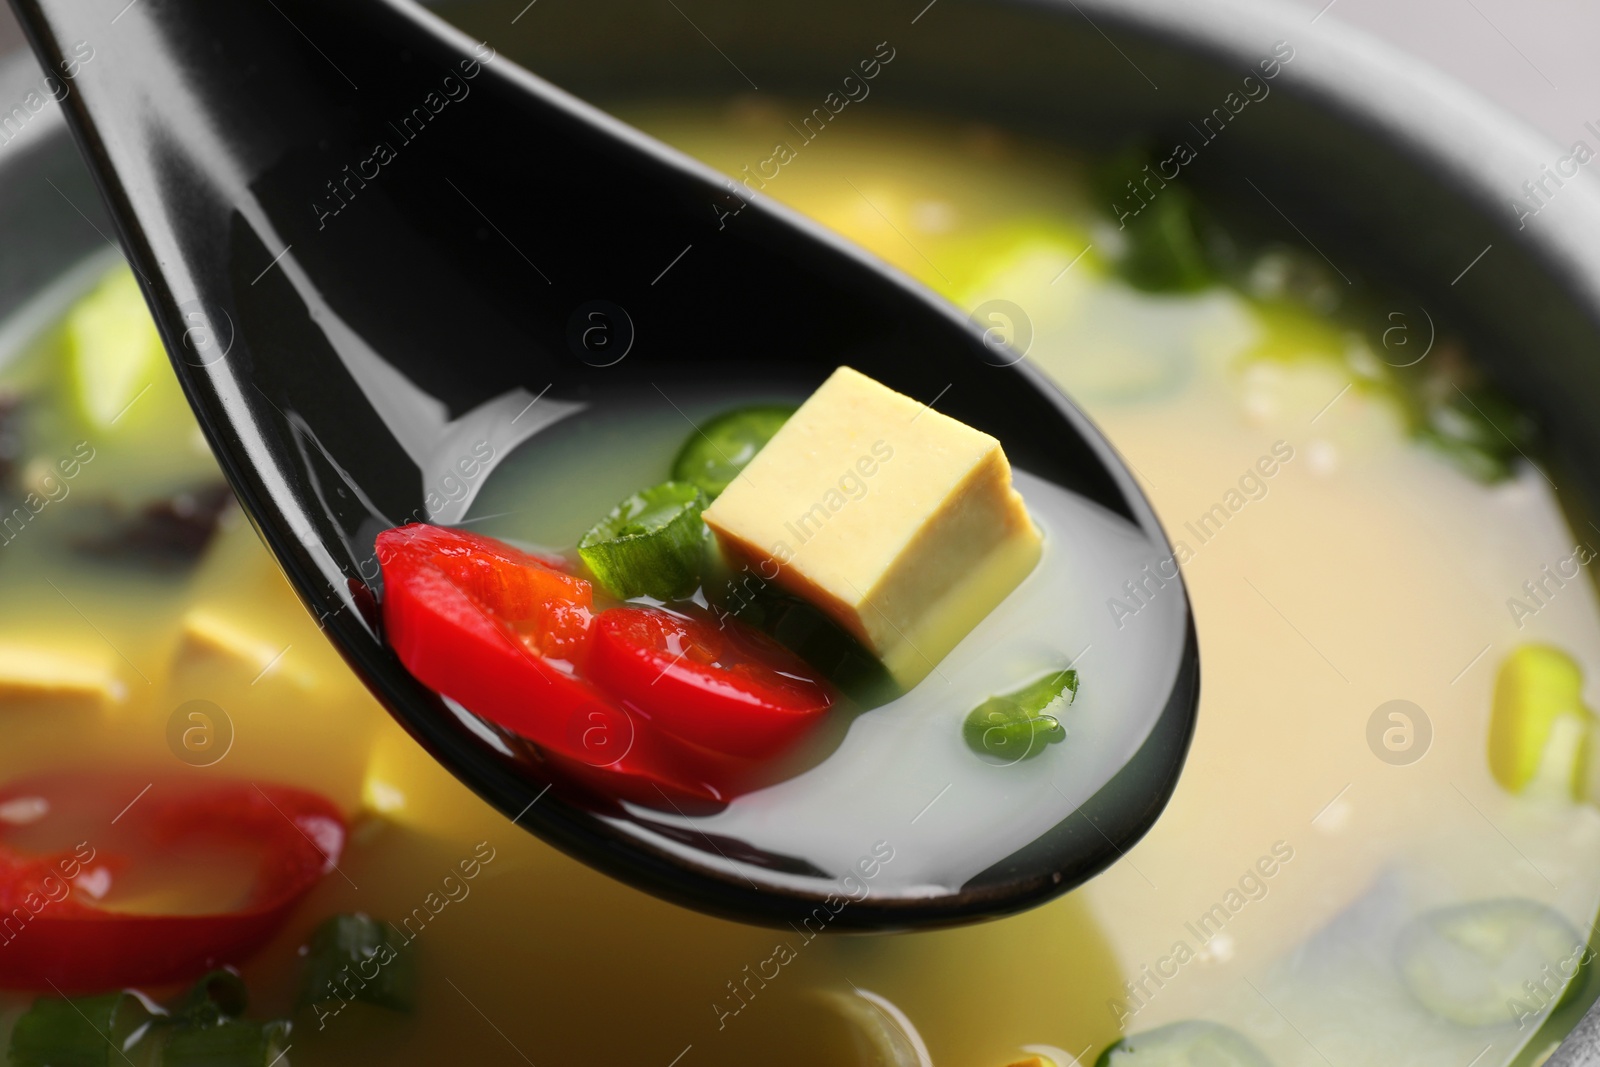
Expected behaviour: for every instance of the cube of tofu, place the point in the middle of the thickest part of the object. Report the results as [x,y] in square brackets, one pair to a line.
[898,522]
[207,634]
[31,674]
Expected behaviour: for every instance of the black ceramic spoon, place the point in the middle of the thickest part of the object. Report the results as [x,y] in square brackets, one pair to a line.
[349,320]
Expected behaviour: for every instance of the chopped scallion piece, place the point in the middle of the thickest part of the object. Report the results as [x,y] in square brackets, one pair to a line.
[203,1030]
[81,1032]
[358,958]
[218,995]
[715,453]
[227,1043]
[652,544]
[1018,725]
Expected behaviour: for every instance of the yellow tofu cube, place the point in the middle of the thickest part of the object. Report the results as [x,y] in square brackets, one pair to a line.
[208,635]
[898,522]
[31,674]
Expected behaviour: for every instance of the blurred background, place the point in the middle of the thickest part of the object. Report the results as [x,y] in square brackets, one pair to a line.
[1533,57]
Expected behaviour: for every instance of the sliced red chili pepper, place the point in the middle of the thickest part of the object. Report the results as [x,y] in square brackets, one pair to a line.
[548,609]
[502,632]
[54,933]
[725,687]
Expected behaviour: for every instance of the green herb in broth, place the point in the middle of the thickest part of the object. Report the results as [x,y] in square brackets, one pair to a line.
[355,958]
[1167,243]
[205,1029]
[1018,725]
[1171,244]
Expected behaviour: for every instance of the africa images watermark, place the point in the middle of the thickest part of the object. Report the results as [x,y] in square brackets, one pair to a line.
[452,89]
[345,986]
[50,489]
[853,89]
[1253,885]
[18,115]
[52,888]
[852,485]
[1537,193]
[854,890]
[1546,993]
[1252,486]
[1552,578]
[451,488]
[1251,90]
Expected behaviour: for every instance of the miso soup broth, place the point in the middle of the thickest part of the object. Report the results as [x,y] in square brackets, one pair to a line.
[1323,882]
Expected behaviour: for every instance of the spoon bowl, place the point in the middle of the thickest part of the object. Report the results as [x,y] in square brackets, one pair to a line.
[372,244]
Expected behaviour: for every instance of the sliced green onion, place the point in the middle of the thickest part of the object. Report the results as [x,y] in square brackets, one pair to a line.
[1193,1041]
[652,544]
[81,1032]
[714,455]
[1491,961]
[1049,695]
[218,995]
[1018,725]
[229,1043]
[356,957]
[203,1030]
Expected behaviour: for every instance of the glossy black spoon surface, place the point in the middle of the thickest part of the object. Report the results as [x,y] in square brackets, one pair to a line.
[371,243]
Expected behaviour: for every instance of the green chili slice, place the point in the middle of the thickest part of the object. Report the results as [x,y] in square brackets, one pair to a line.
[1018,725]
[358,958]
[714,454]
[652,544]
[1488,962]
[1191,1041]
